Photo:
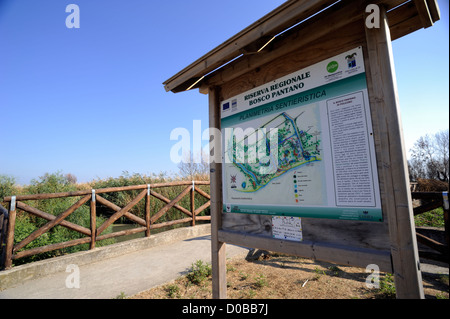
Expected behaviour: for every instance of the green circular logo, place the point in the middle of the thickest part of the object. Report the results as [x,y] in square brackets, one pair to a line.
[332,66]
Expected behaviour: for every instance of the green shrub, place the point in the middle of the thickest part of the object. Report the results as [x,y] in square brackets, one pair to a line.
[387,287]
[261,281]
[199,272]
[173,290]
[433,218]
[6,186]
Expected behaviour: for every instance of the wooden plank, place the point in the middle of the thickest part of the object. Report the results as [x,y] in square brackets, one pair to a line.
[432,243]
[292,49]
[48,196]
[202,208]
[424,13]
[51,223]
[283,17]
[101,190]
[167,201]
[93,220]
[171,223]
[3,227]
[370,235]
[339,16]
[427,195]
[44,249]
[36,212]
[180,183]
[391,157]
[10,237]
[147,214]
[218,247]
[122,233]
[116,208]
[203,193]
[447,230]
[3,234]
[203,217]
[280,19]
[334,42]
[434,10]
[193,205]
[427,207]
[403,20]
[330,252]
[406,27]
[401,14]
[164,210]
[121,212]
[248,223]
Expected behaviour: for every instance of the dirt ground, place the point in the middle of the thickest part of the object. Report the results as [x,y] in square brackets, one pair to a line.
[275,276]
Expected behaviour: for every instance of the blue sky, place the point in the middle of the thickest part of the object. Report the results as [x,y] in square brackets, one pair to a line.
[90,101]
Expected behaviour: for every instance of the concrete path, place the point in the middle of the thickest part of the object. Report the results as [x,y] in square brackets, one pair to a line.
[126,274]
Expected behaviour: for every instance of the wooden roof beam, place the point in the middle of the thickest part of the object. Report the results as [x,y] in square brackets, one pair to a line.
[288,14]
[337,16]
[424,13]
[434,10]
[247,43]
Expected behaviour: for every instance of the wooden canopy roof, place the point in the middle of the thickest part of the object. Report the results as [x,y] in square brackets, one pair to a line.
[307,20]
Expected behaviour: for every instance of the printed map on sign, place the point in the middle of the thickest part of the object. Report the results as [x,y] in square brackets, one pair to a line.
[269,153]
[270,150]
[302,145]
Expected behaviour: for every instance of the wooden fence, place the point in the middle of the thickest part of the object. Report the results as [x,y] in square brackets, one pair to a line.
[429,201]
[94,233]
[439,248]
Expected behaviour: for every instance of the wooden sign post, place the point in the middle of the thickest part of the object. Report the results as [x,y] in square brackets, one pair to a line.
[322,74]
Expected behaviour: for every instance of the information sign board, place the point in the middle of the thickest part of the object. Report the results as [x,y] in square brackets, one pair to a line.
[302,145]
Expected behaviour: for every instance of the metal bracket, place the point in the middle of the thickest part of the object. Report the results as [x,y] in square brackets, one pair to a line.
[148,189]
[12,206]
[193,185]
[445,199]
[93,195]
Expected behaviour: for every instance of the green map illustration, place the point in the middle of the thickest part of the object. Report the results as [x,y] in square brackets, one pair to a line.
[274,148]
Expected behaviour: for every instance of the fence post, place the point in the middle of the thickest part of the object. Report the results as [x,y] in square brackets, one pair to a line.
[10,233]
[3,228]
[396,197]
[147,211]
[193,203]
[93,220]
[445,205]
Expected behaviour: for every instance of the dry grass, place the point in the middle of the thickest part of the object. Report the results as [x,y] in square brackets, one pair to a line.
[286,277]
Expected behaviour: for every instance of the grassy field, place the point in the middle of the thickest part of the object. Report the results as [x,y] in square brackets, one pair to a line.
[277,276]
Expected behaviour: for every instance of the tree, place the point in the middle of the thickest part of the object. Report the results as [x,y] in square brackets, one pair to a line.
[194,167]
[7,186]
[430,157]
[71,179]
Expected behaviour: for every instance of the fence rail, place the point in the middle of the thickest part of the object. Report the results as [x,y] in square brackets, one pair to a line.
[428,202]
[94,233]
[10,251]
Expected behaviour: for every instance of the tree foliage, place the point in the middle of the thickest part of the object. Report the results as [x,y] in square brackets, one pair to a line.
[194,167]
[430,157]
